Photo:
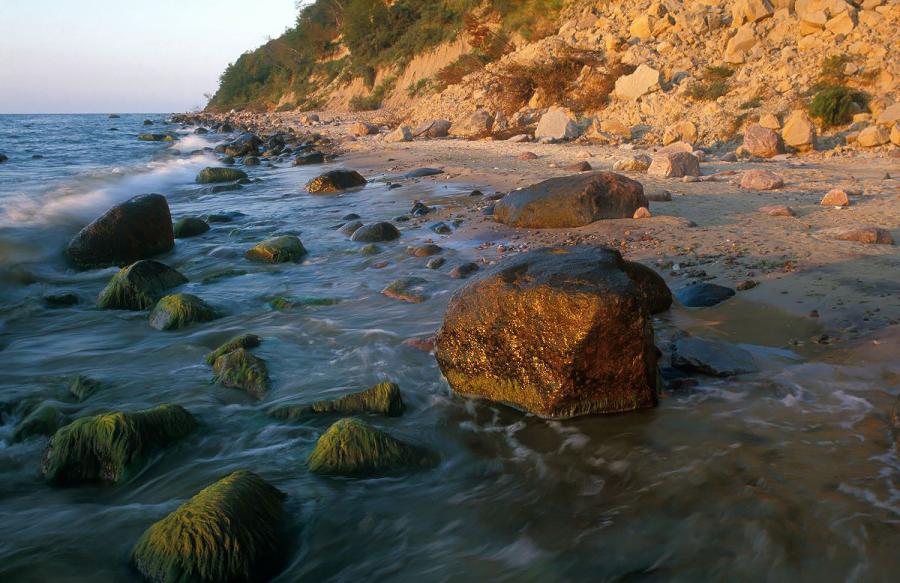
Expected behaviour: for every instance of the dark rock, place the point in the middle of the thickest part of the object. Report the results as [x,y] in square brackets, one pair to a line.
[136,229]
[573,307]
[189,227]
[82,387]
[420,209]
[277,250]
[350,217]
[463,271]
[45,420]
[3,158]
[309,158]
[217,188]
[438,128]
[239,369]
[247,144]
[435,263]
[703,295]
[423,172]
[60,300]
[148,122]
[407,289]
[351,227]
[376,233]
[582,166]
[228,161]
[242,341]
[223,217]
[441,228]
[139,286]
[571,201]
[250,161]
[335,181]
[651,286]
[424,250]
[201,131]
[211,175]
[179,310]
[711,357]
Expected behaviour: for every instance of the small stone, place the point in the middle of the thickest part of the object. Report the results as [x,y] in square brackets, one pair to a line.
[189,227]
[179,310]
[778,211]
[407,289]
[761,180]
[703,295]
[746,284]
[435,263]
[642,213]
[836,197]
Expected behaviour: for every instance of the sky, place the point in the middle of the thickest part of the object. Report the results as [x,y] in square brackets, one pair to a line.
[147,56]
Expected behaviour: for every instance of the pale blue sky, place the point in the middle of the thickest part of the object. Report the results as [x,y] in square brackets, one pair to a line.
[82,56]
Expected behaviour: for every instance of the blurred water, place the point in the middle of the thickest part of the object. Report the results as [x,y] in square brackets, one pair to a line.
[789,475]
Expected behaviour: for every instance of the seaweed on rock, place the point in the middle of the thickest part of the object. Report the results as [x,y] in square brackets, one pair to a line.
[241,370]
[383,399]
[105,446]
[229,531]
[46,419]
[242,341]
[82,387]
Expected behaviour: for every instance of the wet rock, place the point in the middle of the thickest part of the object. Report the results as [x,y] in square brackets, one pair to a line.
[139,286]
[438,128]
[104,447]
[362,128]
[674,165]
[463,271]
[180,310]
[351,447]
[60,300]
[3,158]
[435,263]
[862,234]
[350,217]
[652,287]
[571,201]
[309,158]
[382,399]
[407,289]
[558,124]
[189,227]
[425,250]
[228,161]
[82,387]
[577,308]
[711,357]
[420,209]
[239,369]
[703,295]
[440,228]
[212,175]
[246,144]
[369,250]
[376,233]
[45,420]
[335,181]
[351,227]
[836,197]
[778,210]
[761,180]
[243,341]
[423,172]
[763,142]
[250,161]
[277,250]
[229,531]
[155,138]
[136,229]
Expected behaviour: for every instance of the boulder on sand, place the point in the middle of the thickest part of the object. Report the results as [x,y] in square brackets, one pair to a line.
[229,531]
[211,175]
[763,142]
[351,447]
[558,124]
[478,124]
[862,234]
[106,446]
[674,165]
[277,250]
[179,310]
[438,128]
[761,180]
[362,128]
[382,399]
[135,229]
[335,181]
[558,332]
[138,286]
[571,201]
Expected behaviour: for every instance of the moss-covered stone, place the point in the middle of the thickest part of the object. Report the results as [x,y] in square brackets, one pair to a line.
[211,174]
[335,181]
[82,387]
[239,369]
[407,289]
[139,286]
[189,227]
[45,420]
[283,303]
[277,250]
[351,447]
[242,341]
[382,399]
[106,446]
[179,310]
[229,531]
[156,138]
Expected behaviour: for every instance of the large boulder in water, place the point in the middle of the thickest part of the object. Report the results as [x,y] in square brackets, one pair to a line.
[559,332]
[139,286]
[210,175]
[136,229]
[179,310]
[335,181]
[189,227]
[229,531]
[571,201]
[247,144]
[106,446]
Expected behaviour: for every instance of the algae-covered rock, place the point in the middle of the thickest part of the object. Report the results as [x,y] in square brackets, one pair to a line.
[156,138]
[239,369]
[277,250]
[106,446]
[242,341]
[138,286]
[82,387]
[189,227]
[335,181]
[383,399]
[229,531]
[351,447]
[45,420]
[407,289]
[179,310]
[211,174]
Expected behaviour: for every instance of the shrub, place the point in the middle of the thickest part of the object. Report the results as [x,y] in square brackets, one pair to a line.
[835,105]
[372,101]
[712,85]
[832,70]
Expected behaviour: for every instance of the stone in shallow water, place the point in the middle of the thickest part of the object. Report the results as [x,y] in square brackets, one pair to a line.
[335,181]
[376,233]
[407,289]
[703,295]
[180,310]
[189,227]
[464,270]
[712,358]
[229,531]
[139,286]
[242,341]
[211,175]
[82,387]
[277,250]
[239,369]
[351,447]
[45,420]
[382,399]
[60,300]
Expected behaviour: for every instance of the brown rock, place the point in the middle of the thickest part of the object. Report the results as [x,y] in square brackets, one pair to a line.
[762,142]
[779,210]
[836,197]
[642,213]
[528,156]
[362,128]
[866,234]
[761,180]
[674,165]
[579,167]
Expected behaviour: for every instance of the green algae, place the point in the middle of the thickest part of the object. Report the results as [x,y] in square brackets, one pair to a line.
[382,399]
[277,250]
[179,310]
[242,341]
[239,369]
[212,175]
[46,419]
[82,387]
[139,286]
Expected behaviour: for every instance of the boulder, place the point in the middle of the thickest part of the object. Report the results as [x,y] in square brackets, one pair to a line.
[426,250]
[779,210]
[335,181]
[739,45]
[644,80]
[44,421]
[475,125]
[309,158]
[350,228]
[637,163]
[674,165]
[189,227]
[558,332]
[376,233]
[770,121]
[558,124]
[382,399]
[229,531]
[277,250]
[250,161]
[799,132]
[351,447]
[744,11]
[242,341]
[139,286]
[362,128]
[761,180]
[136,229]
[407,289]
[571,201]
[179,310]
[710,357]
[836,197]
[156,138]
[246,144]
[652,287]
[895,135]
[401,134]
[239,369]
[438,128]
[864,234]
[763,142]
[211,175]
[104,447]
[873,136]
[703,295]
